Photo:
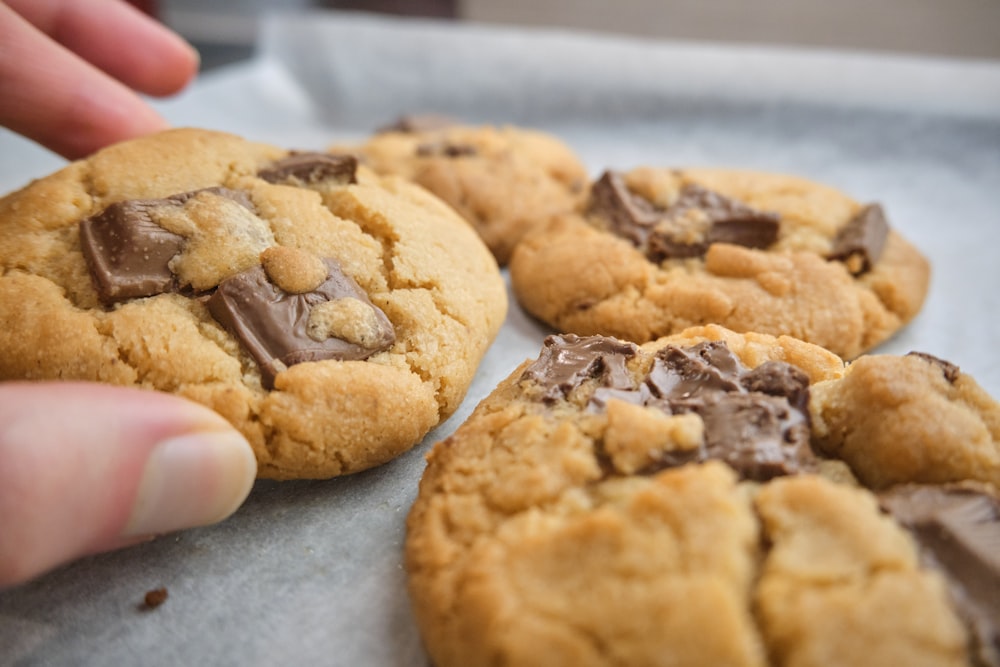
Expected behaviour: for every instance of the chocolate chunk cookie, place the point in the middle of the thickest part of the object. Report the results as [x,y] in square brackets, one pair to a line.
[503,180]
[657,250]
[332,315]
[670,503]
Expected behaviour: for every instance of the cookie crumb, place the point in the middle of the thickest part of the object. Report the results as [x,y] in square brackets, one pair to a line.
[293,270]
[154,598]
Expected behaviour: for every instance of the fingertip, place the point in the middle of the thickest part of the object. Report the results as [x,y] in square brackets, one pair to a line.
[71,107]
[87,468]
[194,479]
[172,66]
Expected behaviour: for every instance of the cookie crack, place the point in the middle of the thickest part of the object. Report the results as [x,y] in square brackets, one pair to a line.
[378,229]
[103,326]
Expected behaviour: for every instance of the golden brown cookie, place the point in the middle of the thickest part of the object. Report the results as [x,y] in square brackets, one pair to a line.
[333,316]
[659,250]
[503,180]
[615,504]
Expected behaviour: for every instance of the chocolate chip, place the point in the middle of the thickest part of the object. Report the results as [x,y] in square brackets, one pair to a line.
[958,530]
[273,325]
[307,168]
[950,370]
[697,219]
[128,254]
[568,361]
[860,242]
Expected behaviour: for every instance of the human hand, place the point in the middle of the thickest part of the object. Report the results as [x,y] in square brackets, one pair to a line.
[68,69]
[88,467]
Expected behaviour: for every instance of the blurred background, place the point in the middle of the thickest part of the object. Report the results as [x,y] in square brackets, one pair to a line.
[224,30]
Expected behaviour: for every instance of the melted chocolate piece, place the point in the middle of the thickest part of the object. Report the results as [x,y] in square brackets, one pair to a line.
[311,169]
[676,232]
[695,371]
[568,361]
[776,378]
[958,530]
[128,254]
[950,370]
[628,215]
[757,435]
[445,149]
[272,324]
[756,420]
[860,242]
[730,221]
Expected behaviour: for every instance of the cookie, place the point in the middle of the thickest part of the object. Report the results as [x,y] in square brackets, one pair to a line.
[331,315]
[658,250]
[503,180]
[616,504]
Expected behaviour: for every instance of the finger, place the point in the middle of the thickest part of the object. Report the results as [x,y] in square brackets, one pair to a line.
[87,468]
[50,96]
[117,38]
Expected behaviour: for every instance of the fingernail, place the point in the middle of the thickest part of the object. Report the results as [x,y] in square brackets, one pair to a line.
[192,480]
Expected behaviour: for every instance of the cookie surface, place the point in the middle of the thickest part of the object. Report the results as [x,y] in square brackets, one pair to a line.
[658,250]
[611,504]
[333,316]
[503,180]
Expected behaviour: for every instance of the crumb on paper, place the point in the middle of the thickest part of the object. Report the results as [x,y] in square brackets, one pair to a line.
[155,598]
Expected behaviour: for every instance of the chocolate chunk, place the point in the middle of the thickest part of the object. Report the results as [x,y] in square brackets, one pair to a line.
[628,215]
[312,168]
[759,436]
[756,420]
[860,242]
[636,396]
[128,254]
[776,378]
[958,530]
[238,196]
[446,149]
[420,123]
[686,228]
[950,370]
[273,324]
[730,221]
[685,373]
[568,361]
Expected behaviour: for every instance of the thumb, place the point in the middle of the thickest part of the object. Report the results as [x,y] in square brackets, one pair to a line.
[87,468]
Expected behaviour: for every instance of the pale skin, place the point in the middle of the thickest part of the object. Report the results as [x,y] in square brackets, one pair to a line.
[86,468]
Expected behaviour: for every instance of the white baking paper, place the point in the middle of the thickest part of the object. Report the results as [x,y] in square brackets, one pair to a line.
[310,573]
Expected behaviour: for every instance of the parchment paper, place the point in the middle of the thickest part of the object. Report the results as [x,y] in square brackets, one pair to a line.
[310,572]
